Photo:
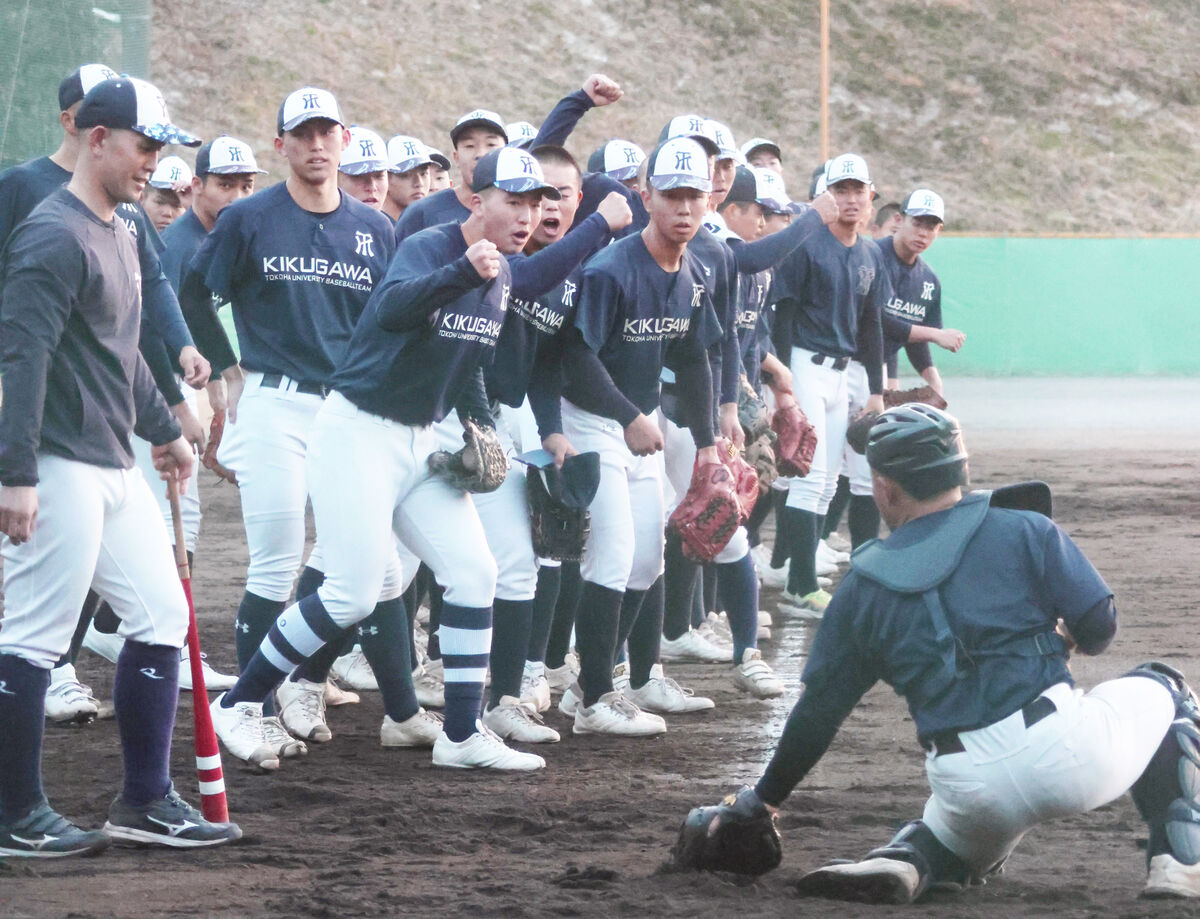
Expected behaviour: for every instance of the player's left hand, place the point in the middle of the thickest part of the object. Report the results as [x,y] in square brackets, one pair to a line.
[616,211]
[193,432]
[195,366]
[18,512]
[731,427]
[950,339]
[559,447]
[174,460]
[601,90]
[875,404]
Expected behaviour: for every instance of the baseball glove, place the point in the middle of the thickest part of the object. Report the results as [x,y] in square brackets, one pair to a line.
[752,413]
[209,456]
[737,835]
[559,532]
[859,430]
[797,441]
[926,394]
[480,466]
[709,513]
[745,478]
[761,456]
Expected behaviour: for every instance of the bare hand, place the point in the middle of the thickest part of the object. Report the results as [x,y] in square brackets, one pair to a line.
[826,205]
[174,460]
[950,339]
[731,428]
[193,433]
[560,447]
[875,404]
[784,399]
[781,376]
[709,455]
[601,90]
[218,401]
[18,512]
[484,258]
[235,384]
[196,368]
[643,437]
[615,210]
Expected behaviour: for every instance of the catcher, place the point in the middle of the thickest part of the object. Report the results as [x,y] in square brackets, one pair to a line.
[1009,741]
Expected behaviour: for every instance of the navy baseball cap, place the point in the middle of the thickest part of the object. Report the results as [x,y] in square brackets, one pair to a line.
[681,162]
[75,86]
[696,127]
[133,105]
[305,105]
[513,170]
[226,156]
[439,159]
[617,159]
[479,118]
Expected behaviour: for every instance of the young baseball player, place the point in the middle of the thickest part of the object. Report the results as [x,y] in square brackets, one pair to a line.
[439,171]
[885,221]
[169,192]
[765,154]
[415,355]
[409,166]
[1010,743]
[74,511]
[297,262]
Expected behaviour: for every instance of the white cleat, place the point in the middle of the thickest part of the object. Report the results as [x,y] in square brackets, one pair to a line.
[663,694]
[514,720]
[811,606]
[67,700]
[280,741]
[335,695]
[302,709]
[615,714]
[240,729]
[353,671]
[428,684]
[571,699]
[213,681]
[764,618]
[693,646]
[764,633]
[620,678]
[483,750]
[102,643]
[1171,879]
[535,690]
[756,677]
[421,730]
[561,678]
[837,542]
[828,554]
[875,880]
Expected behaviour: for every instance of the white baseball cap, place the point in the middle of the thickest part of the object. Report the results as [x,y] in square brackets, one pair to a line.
[681,162]
[172,173]
[845,167]
[618,159]
[520,134]
[925,203]
[79,83]
[696,127]
[226,156]
[761,143]
[306,104]
[773,193]
[479,118]
[726,148]
[405,153]
[365,153]
[513,170]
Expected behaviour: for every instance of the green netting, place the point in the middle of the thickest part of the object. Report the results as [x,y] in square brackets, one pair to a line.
[41,41]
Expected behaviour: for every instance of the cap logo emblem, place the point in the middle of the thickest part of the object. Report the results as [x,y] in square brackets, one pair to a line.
[310,101]
[174,173]
[410,149]
[695,125]
[366,147]
[631,155]
[683,160]
[527,165]
[235,155]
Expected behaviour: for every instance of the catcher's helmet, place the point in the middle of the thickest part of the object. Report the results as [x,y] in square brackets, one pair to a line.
[920,447]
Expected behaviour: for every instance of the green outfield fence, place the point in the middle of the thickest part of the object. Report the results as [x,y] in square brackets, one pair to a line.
[1071,307]
[41,41]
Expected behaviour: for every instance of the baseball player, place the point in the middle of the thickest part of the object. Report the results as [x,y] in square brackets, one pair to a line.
[74,511]
[439,171]
[885,221]
[169,192]
[618,159]
[1010,743]
[521,134]
[297,262]
[22,188]
[828,296]
[408,180]
[765,154]
[363,168]
[415,354]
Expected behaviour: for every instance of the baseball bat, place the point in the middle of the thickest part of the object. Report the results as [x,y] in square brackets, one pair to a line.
[213,803]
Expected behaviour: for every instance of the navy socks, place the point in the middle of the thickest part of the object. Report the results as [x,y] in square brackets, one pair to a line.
[22,722]
[145,695]
[511,621]
[596,624]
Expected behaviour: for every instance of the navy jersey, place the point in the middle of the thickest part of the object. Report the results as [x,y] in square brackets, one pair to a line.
[632,313]
[70,308]
[181,241]
[916,299]
[441,207]
[428,327]
[298,281]
[720,277]
[750,303]
[23,187]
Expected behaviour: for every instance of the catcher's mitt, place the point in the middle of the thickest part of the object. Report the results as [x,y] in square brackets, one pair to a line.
[752,413]
[745,478]
[709,513]
[859,430]
[209,456]
[559,532]
[480,466]
[761,456]
[926,394]
[737,835]
[797,441]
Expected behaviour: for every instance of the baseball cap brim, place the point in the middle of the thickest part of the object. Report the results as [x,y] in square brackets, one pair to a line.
[167,134]
[770,146]
[665,181]
[292,123]
[524,185]
[439,159]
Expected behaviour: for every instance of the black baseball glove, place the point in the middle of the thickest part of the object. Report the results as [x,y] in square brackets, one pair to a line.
[480,466]
[738,835]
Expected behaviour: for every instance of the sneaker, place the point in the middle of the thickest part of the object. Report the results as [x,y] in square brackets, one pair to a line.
[241,731]
[773,578]
[663,694]
[513,719]
[875,880]
[1169,878]
[824,567]
[824,582]
[67,700]
[421,730]
[213,681]
[280,741]
[615,714]
[302,709]
[535,690]
[353,670]
[571,659]
[620,679]
[810,606]
[837,542]
[571,699]
[105,645]
[764,633]
[719,624]
[764,618]
[693,646]
[335,695]
[836,556]
[45,833]
[561,678]
[483,750]
[169,821]
[428,685]
[423,614]
[756,677]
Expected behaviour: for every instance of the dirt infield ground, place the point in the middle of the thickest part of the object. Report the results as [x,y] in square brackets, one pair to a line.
[353,830]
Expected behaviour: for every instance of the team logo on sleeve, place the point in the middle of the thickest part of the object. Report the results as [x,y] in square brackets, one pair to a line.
[866,274]
[364,243]
[927,291]
[568,297]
